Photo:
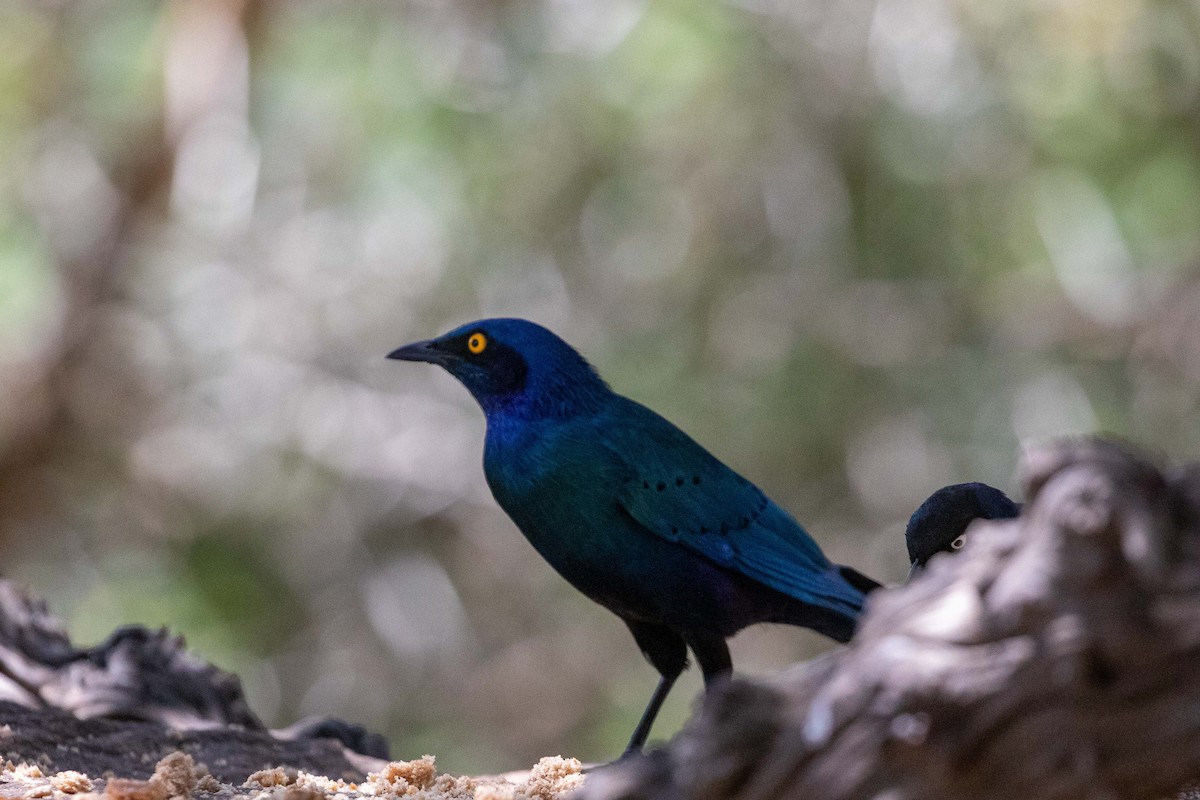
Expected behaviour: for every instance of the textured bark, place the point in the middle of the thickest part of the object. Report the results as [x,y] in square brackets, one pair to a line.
[58,741]
[139,695]
[135,673]
[1057,656]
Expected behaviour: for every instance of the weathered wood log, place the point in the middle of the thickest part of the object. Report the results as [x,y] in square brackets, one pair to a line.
[57,740]
[154,696]
[136,673]
[1057,656]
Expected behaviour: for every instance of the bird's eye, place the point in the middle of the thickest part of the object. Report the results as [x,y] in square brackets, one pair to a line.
[958,543]
[477,343]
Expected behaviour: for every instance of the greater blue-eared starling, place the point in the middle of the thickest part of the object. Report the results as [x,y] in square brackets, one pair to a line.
[632,511]
[939,525]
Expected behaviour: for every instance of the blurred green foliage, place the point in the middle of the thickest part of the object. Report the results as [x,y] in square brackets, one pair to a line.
[859,250]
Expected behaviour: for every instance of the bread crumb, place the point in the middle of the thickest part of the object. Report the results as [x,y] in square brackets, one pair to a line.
[126,789]
[176,773]
[450,787]
[320,783]
[400,778]
[71,782]
[208,784]
[298,793]
[552,776]
[26,771]
[178,777]
[266,778]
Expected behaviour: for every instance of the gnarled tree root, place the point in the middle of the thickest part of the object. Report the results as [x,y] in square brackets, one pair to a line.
[1058,656]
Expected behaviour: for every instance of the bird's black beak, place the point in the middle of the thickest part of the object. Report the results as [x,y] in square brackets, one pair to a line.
[913,571]
[420,351]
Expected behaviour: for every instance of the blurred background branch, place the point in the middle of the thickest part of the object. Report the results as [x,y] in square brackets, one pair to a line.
[859,250]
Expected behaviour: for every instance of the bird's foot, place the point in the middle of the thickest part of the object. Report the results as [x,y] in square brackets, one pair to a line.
[630,755]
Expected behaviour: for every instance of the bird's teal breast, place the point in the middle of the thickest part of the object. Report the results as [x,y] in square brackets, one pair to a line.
[557,486]
[560,486]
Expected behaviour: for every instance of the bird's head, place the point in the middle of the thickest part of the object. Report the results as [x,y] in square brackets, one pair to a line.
[940,524]
[513,366]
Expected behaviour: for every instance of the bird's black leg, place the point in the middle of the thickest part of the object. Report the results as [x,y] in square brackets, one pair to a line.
[642,731]
[666,650]
[713,656]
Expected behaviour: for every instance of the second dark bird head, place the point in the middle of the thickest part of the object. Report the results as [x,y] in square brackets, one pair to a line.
[940,524]
[513,367]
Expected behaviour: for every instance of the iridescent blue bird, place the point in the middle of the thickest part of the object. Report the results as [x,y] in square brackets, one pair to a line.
[633,512]
[939,525]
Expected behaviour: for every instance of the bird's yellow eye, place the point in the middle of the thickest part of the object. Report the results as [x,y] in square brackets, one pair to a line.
[477,343]
[958,543]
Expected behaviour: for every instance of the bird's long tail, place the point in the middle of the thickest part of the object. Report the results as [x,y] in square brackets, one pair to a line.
[859,581]
[835,619]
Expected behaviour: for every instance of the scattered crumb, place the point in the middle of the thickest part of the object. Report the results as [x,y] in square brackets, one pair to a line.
[401,778]
[27,771]
[177,774]
[208,784]
[71,782]
[551,777]
[126,789]
[450,787]
[266,778]
[496,792]
[322,784]
[178,777]
[301,793]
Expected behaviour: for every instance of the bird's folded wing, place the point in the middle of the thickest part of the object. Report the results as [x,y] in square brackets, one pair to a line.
[676,489]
